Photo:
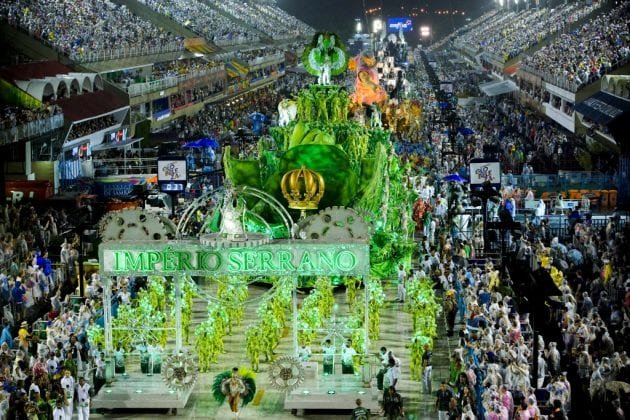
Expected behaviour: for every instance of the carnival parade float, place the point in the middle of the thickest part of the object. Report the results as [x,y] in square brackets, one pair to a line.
[325,204]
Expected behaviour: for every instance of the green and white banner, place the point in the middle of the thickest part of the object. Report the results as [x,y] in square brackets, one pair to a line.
[282,258]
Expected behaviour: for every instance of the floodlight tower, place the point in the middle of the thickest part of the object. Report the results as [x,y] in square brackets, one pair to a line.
[358,26]
[426,34]
[377,26]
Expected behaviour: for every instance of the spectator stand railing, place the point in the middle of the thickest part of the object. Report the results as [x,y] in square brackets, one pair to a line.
[224,42]
[139,89]
[133,166]
[31,129]
[564,83]
[119,53]
[559,223]
[561,82]
[563,181]
[266,59]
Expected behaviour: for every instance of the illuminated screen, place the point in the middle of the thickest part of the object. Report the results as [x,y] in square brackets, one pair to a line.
[481,172]
[394,24]
[118,136]
[172,170]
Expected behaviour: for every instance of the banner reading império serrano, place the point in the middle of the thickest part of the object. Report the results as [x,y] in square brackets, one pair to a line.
[284,259]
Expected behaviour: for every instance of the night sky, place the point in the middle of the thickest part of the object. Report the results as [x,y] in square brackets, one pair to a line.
[339,15]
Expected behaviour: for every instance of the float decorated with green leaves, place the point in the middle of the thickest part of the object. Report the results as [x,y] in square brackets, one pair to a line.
[356,161]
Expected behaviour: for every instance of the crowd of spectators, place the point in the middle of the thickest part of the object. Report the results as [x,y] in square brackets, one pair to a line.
[273,22]
[12,116]
[203,20]
[225,118]
[194,95]
[527,33]
[79,27]
[462,30]
[578,300]
[467,39]
[180,67]
[162,70]
[509,37]
[292,27]
[40,372]
[521,136]
[257,53]
[584,343]
[221,119]
[88,127]
[517,132]
[587,53]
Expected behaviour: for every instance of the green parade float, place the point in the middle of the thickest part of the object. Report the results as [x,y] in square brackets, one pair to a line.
[356,161]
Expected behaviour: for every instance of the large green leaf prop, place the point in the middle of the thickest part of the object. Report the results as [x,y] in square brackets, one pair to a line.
[332,163]
[241,172]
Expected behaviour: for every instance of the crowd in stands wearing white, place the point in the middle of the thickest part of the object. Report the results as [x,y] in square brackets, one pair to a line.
[273,22]
[203,20]
[506,38]
[584,55]
[83,26]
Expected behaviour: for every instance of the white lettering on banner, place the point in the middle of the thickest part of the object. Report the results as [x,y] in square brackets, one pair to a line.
[16,196]
[278,258]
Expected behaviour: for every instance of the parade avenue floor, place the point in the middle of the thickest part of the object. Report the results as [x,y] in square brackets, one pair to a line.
[395,335]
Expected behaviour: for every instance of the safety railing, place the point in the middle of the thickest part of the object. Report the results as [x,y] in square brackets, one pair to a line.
[235,41]
[563,181]
[119,53]
[138,89]
[562,82]
[31,129]
[266,59]
[130,166]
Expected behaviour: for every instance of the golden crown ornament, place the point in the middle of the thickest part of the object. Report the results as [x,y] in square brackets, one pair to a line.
[303,189]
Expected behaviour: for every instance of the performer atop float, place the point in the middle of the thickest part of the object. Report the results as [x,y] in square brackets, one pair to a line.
[325,57]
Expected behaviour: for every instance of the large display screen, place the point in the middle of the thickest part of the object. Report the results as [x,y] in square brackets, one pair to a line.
[394,24]
[172,174]
[485,171]
[172,170]
[118,135]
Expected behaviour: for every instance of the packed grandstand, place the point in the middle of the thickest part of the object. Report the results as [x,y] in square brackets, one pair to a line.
[545,91]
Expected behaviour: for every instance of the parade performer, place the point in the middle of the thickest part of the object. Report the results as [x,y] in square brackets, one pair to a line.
[402,276]
[67,384]
[238,385]
[233,387]
[384,356]
[325,56]
[450,307]
[119,359]
[329,357]
[83,396]
[347,356]
[304,353]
